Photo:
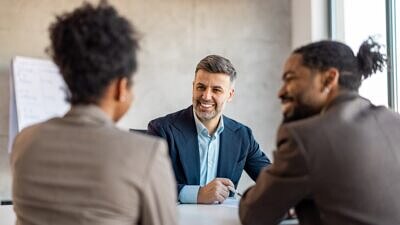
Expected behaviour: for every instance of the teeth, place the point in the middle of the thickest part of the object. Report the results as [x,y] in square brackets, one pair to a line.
[285,105]
[206,105]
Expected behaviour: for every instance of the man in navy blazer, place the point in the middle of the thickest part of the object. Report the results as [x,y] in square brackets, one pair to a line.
[209,150]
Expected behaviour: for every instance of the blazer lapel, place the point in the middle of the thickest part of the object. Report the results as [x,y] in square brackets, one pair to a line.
[188,146]
[228,150]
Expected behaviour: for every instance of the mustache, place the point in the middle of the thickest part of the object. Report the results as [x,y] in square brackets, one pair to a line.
[286,98]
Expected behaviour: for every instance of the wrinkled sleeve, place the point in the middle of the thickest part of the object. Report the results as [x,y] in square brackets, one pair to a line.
[279,186]
[156,128]
[189,193]
[159,194]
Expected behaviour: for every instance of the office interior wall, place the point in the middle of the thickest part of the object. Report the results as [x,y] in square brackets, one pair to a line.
[309,21]
[176,34]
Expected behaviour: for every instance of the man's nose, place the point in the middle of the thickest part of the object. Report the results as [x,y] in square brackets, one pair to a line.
[207,94]
[282,91]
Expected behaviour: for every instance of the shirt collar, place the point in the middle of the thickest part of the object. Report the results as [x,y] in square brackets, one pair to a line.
[201,129]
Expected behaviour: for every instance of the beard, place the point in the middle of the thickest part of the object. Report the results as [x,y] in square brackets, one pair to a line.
[300,112]
[205,115]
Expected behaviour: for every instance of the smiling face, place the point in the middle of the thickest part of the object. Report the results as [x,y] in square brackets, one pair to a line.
[302,93]
[211,91]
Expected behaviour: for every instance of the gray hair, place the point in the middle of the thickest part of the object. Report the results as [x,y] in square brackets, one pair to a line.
[217,64]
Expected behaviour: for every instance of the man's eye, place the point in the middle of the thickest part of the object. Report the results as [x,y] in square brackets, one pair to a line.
[287,79]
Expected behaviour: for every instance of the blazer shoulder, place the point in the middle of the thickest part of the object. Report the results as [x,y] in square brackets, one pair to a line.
[172,117]
[132,155]
[138,146]
[234,125]
[137,139]
[29,133]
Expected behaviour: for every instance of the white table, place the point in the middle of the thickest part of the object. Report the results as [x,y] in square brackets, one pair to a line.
[188,214]
[217,214]
[7,216]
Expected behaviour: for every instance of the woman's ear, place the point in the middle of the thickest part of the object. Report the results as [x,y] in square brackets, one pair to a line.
[122,92]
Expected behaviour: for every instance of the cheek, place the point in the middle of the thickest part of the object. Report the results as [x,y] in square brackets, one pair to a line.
[221,100]
[195,94]
[295,90]
[312,97]
[302,89]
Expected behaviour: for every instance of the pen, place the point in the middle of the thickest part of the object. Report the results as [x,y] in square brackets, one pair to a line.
[234,191]
[5,202]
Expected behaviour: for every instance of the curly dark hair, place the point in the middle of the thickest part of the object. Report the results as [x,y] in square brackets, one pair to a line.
[92,46]
[217,64]
[352,69]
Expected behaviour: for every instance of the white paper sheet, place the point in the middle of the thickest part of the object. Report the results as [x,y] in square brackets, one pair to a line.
[37,93]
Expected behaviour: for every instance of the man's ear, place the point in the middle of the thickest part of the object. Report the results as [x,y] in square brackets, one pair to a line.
[122,89]
[231,94]
[330,79]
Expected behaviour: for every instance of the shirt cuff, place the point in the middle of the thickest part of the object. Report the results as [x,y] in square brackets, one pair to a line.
[188,194]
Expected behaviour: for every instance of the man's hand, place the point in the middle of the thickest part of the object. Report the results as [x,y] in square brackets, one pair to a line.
[215,191]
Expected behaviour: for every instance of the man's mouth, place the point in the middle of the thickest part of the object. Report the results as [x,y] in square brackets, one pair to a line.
[286,99]
[206,105]
[286,103]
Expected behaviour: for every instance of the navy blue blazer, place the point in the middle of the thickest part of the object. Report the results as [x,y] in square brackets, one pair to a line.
[238,150]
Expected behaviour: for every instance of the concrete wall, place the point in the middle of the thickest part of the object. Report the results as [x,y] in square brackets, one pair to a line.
[176,34]
[309,21]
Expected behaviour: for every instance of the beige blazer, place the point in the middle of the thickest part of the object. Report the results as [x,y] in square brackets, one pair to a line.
[341,167]
[81,169]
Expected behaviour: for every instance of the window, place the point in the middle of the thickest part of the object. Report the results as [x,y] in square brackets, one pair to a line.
[393,25]
[352,22]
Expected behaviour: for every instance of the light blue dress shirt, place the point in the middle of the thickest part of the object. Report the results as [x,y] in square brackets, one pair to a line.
[208,152]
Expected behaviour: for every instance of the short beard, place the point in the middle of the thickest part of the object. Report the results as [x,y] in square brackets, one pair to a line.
[300,112]
[204,116]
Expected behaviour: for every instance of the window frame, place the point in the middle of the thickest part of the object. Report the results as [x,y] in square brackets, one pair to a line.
[392,75]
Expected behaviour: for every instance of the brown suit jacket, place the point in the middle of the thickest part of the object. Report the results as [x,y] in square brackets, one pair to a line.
[81,169]
[341,167]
